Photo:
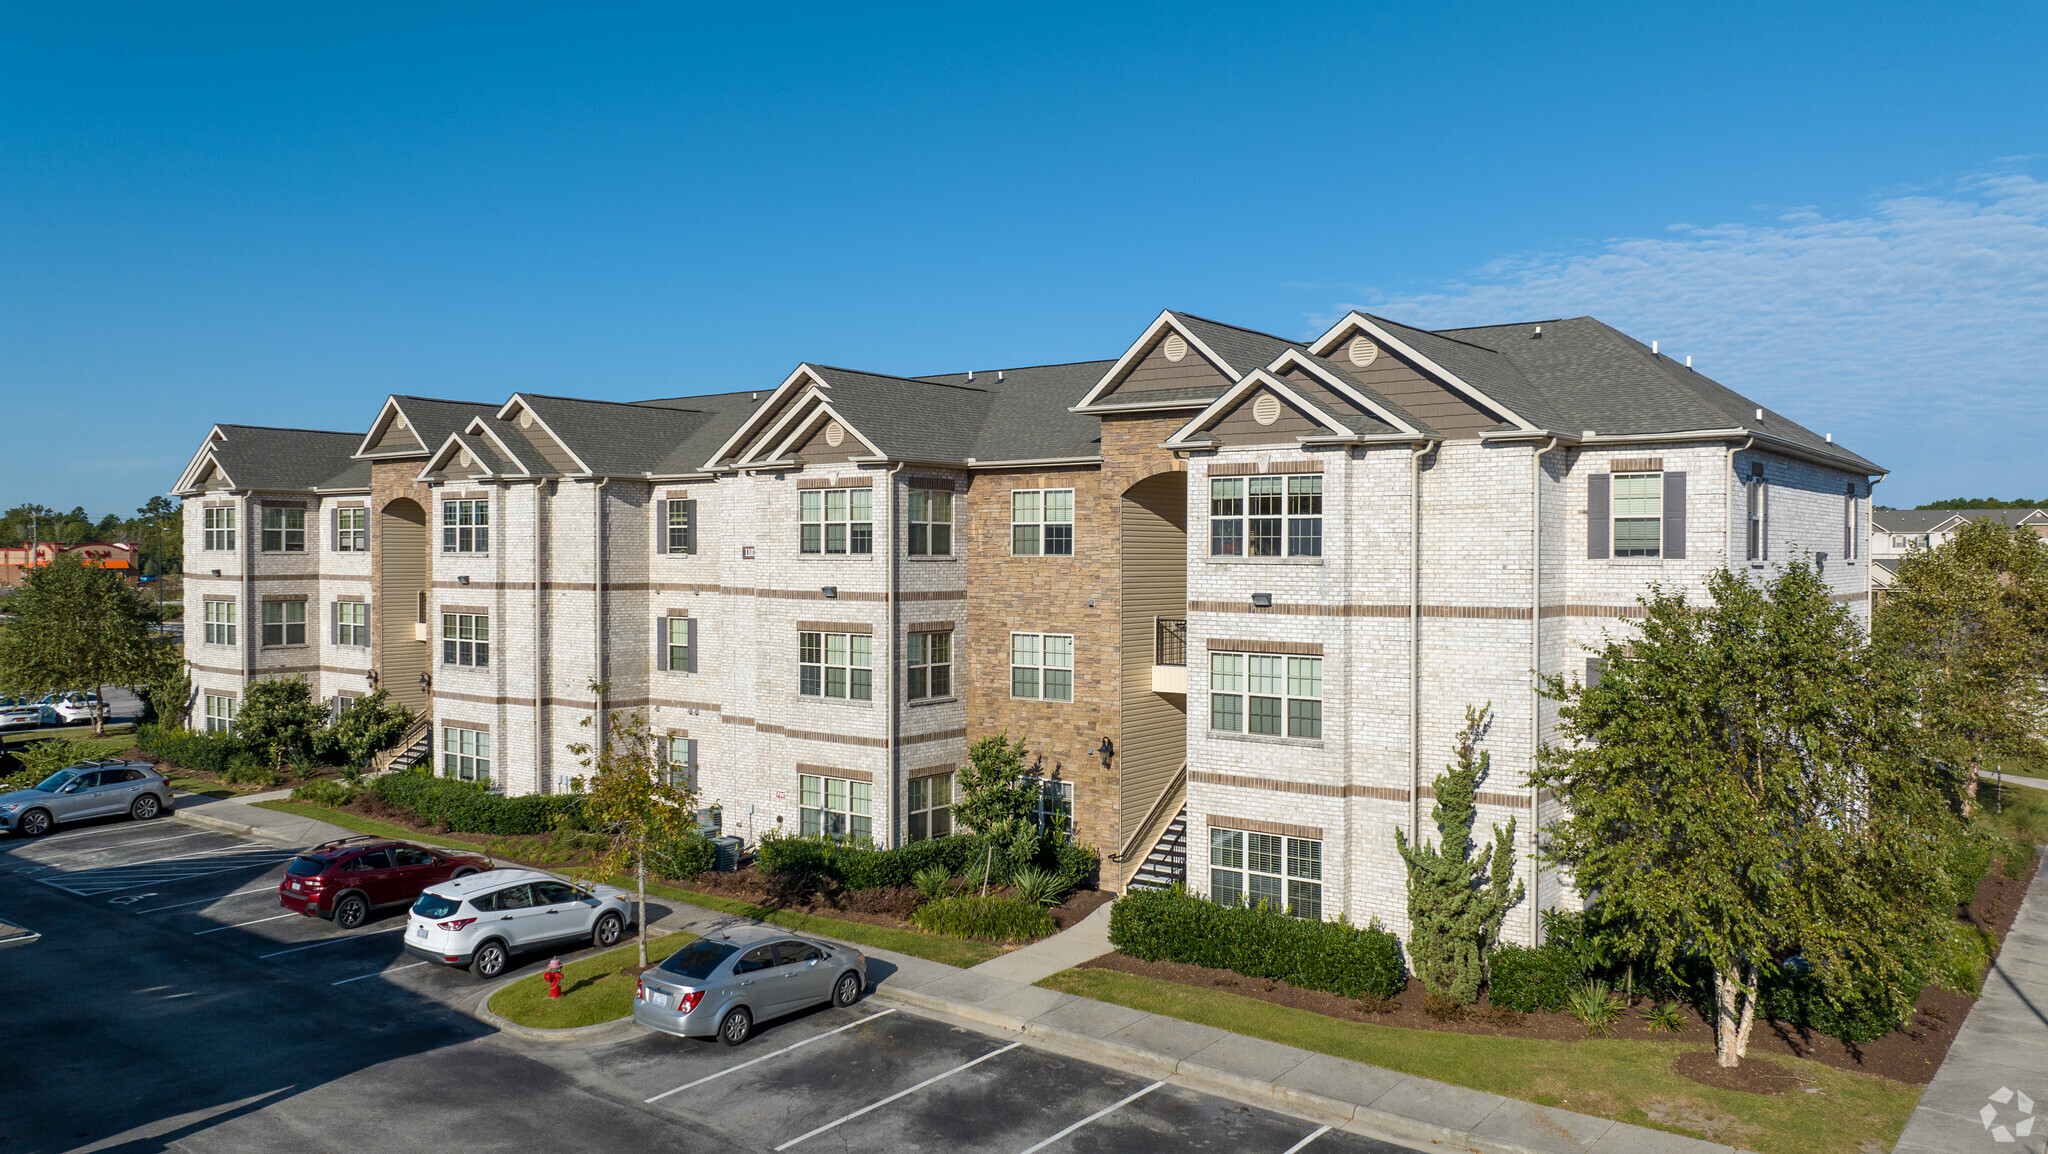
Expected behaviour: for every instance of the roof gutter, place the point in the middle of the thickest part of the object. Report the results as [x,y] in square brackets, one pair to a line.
[1023,462]
[1775,443]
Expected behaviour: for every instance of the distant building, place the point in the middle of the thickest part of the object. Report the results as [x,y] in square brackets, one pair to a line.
[1897,532]
[15,563]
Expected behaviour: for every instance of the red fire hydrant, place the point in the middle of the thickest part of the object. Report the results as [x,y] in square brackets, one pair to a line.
[554,973]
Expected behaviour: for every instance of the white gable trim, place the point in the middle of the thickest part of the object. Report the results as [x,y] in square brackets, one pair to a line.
[1165,320]
[478,427]
[812,423]
[510,408]
[1337,384]
[1330,340]
[802,373]
[799,409]
[446,454]
[377,427]
[1183,438]
[190,477]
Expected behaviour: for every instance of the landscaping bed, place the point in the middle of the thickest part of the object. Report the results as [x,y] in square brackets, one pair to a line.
[595,990]
[889,906]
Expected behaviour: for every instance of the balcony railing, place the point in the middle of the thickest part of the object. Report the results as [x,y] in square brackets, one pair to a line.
[1170,641]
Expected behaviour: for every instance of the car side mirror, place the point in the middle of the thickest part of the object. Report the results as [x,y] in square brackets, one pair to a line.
[69,787]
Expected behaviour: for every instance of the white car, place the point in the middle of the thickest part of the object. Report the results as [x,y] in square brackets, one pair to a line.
[71,708]
[482,920]
[19,713]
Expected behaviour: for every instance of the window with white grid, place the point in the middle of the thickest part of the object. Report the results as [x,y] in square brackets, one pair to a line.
[928,666]
[466,753]
[220,623]
[930,805]
[284,530]
[352,530]
[352,623]
[219,528]
[1042,666]
[220,714]
[465,526]
[466,639]
[835,808]
[1042,522]
[1248,868]
[931,522]
[836,521]
[1638,514]
[1266,694]
[836,665]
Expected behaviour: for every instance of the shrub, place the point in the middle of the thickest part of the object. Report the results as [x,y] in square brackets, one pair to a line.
[244,769]
[466,807]
[681,857]
[332,794]
[1530,980]
[204,752]
[862,867]
[1177,926]
[997,918]
[1796,996]
[1596,1007]
[931,881]
[1035,885]
[1664,1016]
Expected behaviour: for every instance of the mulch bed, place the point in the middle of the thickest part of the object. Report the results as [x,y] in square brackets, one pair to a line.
[1908,1054]
[172,769]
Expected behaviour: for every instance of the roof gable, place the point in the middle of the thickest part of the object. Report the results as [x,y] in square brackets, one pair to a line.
[1263,409]
[1180,361]
[1462,391]
[522,413]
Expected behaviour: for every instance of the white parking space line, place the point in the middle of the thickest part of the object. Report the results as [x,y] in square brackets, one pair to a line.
[203,901]
[898,1094]
[1105,1111]
[121,845]
[379,973]
[239,925]
[1303,1144]
[764,1057]
[92,883]
[331,941]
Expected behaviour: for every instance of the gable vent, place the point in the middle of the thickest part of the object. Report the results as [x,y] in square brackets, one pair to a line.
[834,434]
[526,418]
[1174,348]
[1266,409]
[467,460]
[1363,352]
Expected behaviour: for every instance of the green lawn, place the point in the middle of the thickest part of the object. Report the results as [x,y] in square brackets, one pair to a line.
[202,786]
[593,990]
[916,943]
[1626,1080]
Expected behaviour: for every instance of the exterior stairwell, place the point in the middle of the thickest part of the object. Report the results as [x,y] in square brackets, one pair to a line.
[413,746]
[1167,864]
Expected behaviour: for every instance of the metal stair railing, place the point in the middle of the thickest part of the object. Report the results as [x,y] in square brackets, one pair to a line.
[419,732]
[1154,826]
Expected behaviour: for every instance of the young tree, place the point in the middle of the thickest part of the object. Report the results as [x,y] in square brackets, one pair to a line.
[1456,901]
[278,714]
[631,798]
[1746,784]
[368,724]
[171,696]
[78,628]
[998,797]
[1972,617]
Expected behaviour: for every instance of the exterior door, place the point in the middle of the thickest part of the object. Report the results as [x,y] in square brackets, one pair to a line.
[805,973]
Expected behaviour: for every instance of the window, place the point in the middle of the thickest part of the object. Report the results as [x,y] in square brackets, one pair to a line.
[678,517]
[352,530]
[836,520]
[1266,516]
[219,532]
[465,526]
[220,623]
[1042,522]
[675,761]
[466,753]
[836,665]
[931,806]
[675,644]
[465,639]
[1253,692]
[284,530]
[835,808]
[1253,868]
[1759,509]
[1849,523]
[1042,666]
[931,522]
[1638,514]
[284,623]
[1898,542]
[1055,810]
[352,623]
[930,666]
[220,714]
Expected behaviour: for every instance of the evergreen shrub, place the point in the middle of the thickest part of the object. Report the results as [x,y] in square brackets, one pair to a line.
[996,918]
[1531,980]
[1177,926]
[466,807]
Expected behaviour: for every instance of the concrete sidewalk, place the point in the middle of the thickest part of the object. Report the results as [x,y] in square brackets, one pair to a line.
[1048,956]
[236,815]
[1996,1074]
[2012,779]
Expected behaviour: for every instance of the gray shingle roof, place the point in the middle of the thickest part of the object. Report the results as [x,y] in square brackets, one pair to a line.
[1027,417]
[1913,520]
[294,460]
[433,419]
[1245,349]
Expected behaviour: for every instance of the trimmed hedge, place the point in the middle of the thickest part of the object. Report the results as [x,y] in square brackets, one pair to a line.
[332,794]
[996,918]
[682,858]
[466,807]
[1528,980]
[212,753]
[863,867]
[1177,926]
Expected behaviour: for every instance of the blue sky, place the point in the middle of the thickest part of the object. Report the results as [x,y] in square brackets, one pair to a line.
[277,214]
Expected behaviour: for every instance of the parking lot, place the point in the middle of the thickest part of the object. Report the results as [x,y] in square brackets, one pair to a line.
[172,1004]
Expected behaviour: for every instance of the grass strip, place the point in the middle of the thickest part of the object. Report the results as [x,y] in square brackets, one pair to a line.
[1630,1081]
[916,943]
[201,786]
[594,989]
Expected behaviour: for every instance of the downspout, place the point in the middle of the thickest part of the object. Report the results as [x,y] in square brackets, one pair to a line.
[542,780]
[252,613]
[1728,522]
[1536,679]
[597,609]
[1415,641]
[895,703]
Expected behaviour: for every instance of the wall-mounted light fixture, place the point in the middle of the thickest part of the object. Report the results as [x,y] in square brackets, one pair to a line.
[830,590]
[371,677]
[1107,751]
[462,580]
[1263,600]
[216,572]
[426,682]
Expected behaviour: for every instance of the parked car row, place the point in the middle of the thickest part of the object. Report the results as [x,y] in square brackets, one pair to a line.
[89,789]
[68,707]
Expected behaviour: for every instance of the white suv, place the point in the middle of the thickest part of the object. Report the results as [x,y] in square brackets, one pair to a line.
[482,919]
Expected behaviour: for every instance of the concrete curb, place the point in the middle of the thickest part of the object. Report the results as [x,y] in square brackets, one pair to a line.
[223,825]
[479,1006]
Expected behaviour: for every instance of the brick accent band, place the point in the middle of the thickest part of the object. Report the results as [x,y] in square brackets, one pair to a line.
[1253,468]
[1312,832]
[1465,612]
[837,626]
[1296,648]
[1311,789]
[835,771]
[828,483]
[1636,465]
[930,770]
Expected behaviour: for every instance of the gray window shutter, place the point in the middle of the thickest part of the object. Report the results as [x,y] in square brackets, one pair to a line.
[661,642]
[1595,667]
[1598,519]
[690,654]
[1674,515]
[690,527]
[690,762]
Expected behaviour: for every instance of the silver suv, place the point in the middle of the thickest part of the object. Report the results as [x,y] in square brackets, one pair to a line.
[480,920]
[86,790]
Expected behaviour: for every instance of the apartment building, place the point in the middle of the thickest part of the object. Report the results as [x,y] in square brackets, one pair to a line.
[1896,532]
[1234,591]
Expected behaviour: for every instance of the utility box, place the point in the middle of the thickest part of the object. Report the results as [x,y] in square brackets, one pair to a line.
[728,858]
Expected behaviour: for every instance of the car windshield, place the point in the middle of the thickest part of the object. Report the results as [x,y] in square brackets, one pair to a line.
[698,959]
[55,781]
[305,867]
[436,906]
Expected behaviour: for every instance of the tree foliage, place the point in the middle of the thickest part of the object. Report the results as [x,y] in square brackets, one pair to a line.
[1745,784]
[278,715]
[366,725]
[630,798]
[1980,503]
[998,796]
[77,627]
[1456,901]
[1972,616]
[27,522]
[170,695]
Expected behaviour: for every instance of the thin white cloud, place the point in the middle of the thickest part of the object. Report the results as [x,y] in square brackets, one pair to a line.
[1917,333]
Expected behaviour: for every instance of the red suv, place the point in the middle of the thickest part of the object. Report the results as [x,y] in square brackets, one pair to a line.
[344,880]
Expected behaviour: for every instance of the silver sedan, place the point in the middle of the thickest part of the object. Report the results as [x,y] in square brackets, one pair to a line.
[721,984]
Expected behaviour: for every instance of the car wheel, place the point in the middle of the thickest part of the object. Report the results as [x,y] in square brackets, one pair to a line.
[34,823]
[145,807]
[464,872]
[846,989]
[737,1027]
[488,961]
[351,910]
[609,929]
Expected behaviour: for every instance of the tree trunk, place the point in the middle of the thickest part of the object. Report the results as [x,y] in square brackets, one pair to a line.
[99,715]
[1748,1014]
[1725,1020]
[640,918]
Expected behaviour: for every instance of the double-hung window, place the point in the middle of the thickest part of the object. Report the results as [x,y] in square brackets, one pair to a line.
[219,529]
[1248,868]
[676,633]
[1638,514]
[930,804]
[1266,516]
[284,530]
[931,522]
[1055,809]
[466,639]
[1759,497]
[466,526]
[929,666]
[675,762]
[836,665]
[220,623]
[1042,666]
[679,534]
[1266,694]
[220,714]
[352,623]
[1305,515]
[466,753]
[1042,522]
[1849,518]
[352,529]
[835,808]
[284,623]
[836,521]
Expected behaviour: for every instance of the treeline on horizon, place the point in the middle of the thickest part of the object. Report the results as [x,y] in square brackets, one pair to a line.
[1975,503]
[26,522]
